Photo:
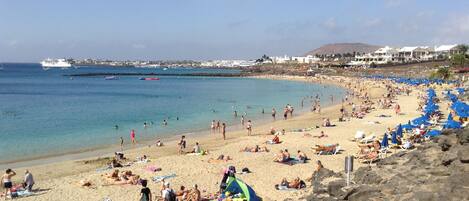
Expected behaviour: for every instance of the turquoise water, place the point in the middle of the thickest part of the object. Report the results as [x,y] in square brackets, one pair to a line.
[44,112]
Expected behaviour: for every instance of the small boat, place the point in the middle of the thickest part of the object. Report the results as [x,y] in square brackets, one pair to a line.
[149,78]
[165,68]
[111,78]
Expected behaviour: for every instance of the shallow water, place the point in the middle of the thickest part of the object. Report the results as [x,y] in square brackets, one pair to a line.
[44,112]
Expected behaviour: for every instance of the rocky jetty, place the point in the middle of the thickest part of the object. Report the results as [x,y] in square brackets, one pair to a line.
[436,170]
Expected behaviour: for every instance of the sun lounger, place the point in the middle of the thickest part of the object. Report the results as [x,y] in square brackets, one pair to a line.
[368,139]
[369,159]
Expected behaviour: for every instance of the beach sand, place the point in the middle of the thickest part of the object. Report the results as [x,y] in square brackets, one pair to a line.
[59,181]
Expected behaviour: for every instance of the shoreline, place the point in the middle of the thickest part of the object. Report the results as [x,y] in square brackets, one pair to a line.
[108,150]
[63,177]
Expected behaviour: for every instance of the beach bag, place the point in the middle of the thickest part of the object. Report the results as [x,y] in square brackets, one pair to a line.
[144,198]
[172,196]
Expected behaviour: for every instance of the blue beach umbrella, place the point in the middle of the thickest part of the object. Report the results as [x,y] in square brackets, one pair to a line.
[452,125]
[399,130]
[407,126]
[385,142]
[394,138]
[433,133]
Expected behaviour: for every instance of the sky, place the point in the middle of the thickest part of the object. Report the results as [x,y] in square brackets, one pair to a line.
[31,30]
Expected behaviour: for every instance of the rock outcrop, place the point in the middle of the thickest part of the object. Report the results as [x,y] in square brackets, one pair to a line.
[436,170]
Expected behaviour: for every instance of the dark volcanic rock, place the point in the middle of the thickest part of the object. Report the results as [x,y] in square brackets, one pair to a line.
[365,193]
[334,188]
[437,170]
[444,143]
[463,154]
[448,158]
[463,136]
[365,175]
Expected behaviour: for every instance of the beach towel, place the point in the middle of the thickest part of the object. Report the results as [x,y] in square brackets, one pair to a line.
[271,142]
[292,161]
[160,178]
[152,168]
[22,193]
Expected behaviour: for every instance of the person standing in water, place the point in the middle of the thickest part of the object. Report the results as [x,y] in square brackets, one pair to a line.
[132,137]
[223,130]
[218,126]
[274,112]
[242,120]
[122,143]
[235,113]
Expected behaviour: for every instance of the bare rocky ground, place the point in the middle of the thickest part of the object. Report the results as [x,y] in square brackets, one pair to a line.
[436,170]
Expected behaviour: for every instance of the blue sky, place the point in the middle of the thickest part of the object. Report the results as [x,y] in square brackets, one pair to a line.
[226,29]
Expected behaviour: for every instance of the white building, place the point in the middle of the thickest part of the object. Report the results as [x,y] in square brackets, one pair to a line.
[416,53]
[383,55]
[300,60]
[446,50]
[407,54]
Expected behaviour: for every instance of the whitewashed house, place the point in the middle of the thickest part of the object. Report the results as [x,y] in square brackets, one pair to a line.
[446,50]
[383,55]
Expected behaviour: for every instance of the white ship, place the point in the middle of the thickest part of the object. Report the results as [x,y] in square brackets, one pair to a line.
[55,63]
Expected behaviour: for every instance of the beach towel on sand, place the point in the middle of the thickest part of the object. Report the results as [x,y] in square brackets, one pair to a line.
[160,178]
[292,161]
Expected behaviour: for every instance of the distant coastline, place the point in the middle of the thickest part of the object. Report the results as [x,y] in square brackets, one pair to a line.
[158,74]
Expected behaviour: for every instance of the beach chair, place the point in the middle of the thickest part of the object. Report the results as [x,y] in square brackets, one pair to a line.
[383,152]
[368,139]
[369,160]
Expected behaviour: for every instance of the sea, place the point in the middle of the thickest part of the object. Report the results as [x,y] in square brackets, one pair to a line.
[47,113]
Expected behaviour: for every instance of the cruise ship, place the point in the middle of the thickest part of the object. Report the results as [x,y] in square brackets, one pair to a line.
[55,63]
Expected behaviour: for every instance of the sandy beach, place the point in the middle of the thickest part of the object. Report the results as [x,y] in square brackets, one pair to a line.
[60,180]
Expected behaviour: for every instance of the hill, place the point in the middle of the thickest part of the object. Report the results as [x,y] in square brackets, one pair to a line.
[341,48]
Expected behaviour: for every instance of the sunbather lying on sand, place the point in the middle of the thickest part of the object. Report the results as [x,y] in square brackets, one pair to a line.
[255,149]
[296,183]
[126,177]
[221,158]
[143,159]
[113,175]
[321,135]
[325,148]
